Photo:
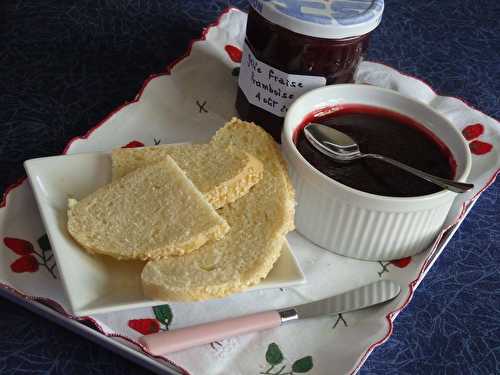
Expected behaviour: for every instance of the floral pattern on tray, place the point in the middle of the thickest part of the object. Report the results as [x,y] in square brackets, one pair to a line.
[185,95]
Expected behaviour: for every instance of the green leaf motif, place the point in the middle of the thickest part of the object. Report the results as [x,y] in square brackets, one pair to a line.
[303,365]
[273,354]
[163,314]
[44,243]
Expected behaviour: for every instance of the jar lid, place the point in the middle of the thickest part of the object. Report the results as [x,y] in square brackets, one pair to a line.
[332,19]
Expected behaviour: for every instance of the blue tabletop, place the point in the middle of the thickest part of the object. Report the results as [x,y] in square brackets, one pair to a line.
[65,64]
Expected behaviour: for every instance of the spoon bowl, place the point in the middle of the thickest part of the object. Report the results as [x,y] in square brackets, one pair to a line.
[331,142]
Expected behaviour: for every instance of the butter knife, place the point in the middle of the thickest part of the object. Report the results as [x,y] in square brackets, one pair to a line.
[183,338]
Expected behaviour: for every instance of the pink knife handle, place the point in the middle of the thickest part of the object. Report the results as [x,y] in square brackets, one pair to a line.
[183,338]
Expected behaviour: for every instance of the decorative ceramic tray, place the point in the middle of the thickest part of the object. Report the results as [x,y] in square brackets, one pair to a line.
[188,103]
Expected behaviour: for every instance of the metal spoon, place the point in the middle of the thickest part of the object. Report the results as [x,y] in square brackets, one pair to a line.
[339,146]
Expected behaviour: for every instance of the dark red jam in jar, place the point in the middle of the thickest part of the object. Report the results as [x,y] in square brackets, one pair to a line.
[295,46]
[387,133]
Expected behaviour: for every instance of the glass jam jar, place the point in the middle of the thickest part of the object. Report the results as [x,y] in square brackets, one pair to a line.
[293,46]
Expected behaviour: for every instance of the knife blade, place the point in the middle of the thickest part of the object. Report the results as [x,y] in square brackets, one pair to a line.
[356,299]
[183,338]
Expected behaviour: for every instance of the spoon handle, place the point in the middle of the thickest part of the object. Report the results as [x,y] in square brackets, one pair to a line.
[457,187]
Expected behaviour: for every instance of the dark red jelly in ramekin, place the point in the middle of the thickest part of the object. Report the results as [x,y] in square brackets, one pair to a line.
[386,133]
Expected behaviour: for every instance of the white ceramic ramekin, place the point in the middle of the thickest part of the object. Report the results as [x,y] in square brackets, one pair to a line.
[358,224]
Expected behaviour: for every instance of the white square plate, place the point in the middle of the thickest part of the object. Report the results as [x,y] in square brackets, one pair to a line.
[97,283]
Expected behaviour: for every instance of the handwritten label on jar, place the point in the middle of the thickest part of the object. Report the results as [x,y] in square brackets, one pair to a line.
[270,88]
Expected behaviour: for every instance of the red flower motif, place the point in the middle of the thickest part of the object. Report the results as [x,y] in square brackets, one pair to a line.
[18,246]
[144,326]
[401,263]
[234,53]
[473,131]
[133,144]
[477,147]
[30,260]
[480,148]
[26,263]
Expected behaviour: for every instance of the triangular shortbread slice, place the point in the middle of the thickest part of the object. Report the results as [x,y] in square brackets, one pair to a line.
[151,213]
[222,175]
